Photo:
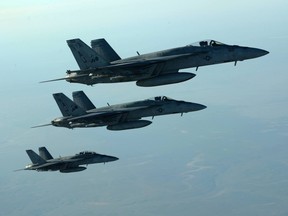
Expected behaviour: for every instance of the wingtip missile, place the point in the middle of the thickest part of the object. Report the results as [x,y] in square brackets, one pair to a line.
[68,78]
[52,80]
[44,125]
[18,170]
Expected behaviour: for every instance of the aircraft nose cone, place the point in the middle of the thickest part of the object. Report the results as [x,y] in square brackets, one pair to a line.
[195,107]
[200,107]
[249,53]
[260,52]
[112,158]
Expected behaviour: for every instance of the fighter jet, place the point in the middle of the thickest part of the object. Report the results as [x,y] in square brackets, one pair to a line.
[101,64]
[45,162]
[81,112]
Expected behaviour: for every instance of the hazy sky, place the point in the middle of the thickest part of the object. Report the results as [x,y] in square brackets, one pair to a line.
[229,159]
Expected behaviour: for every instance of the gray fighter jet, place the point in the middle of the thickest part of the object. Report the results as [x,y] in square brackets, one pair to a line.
[101,64]
[82,113]
[45,162]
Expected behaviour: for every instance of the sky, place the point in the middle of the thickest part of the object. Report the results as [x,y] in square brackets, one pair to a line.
[229,159]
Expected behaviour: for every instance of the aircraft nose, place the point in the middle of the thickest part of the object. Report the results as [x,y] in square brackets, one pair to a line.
[190,107]
[249,53]
[259,52]
[112,158]
[115,158]
[199,107]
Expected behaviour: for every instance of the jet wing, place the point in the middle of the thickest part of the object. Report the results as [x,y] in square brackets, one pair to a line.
[45,165]
[145,62]
[115,115]
[146,66]
[60,162]
[128,68]
[96,115]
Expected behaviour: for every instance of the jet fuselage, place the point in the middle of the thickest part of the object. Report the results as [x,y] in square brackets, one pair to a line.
[128,115]
[193,56]
[152,69]
[72,163]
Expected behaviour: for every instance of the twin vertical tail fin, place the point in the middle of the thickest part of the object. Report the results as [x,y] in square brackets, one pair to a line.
[35,158]
[103,49]
[85,56]
[44,153]
[67,106]
[81,99]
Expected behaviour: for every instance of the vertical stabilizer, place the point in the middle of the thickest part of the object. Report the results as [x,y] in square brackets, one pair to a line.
[104,49]
[81,99]
[44,153]
[35,158]
[67,106]
[85,56]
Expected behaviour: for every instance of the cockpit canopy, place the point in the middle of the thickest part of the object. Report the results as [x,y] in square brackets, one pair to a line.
[86,153]
[161,98]
[206,43]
